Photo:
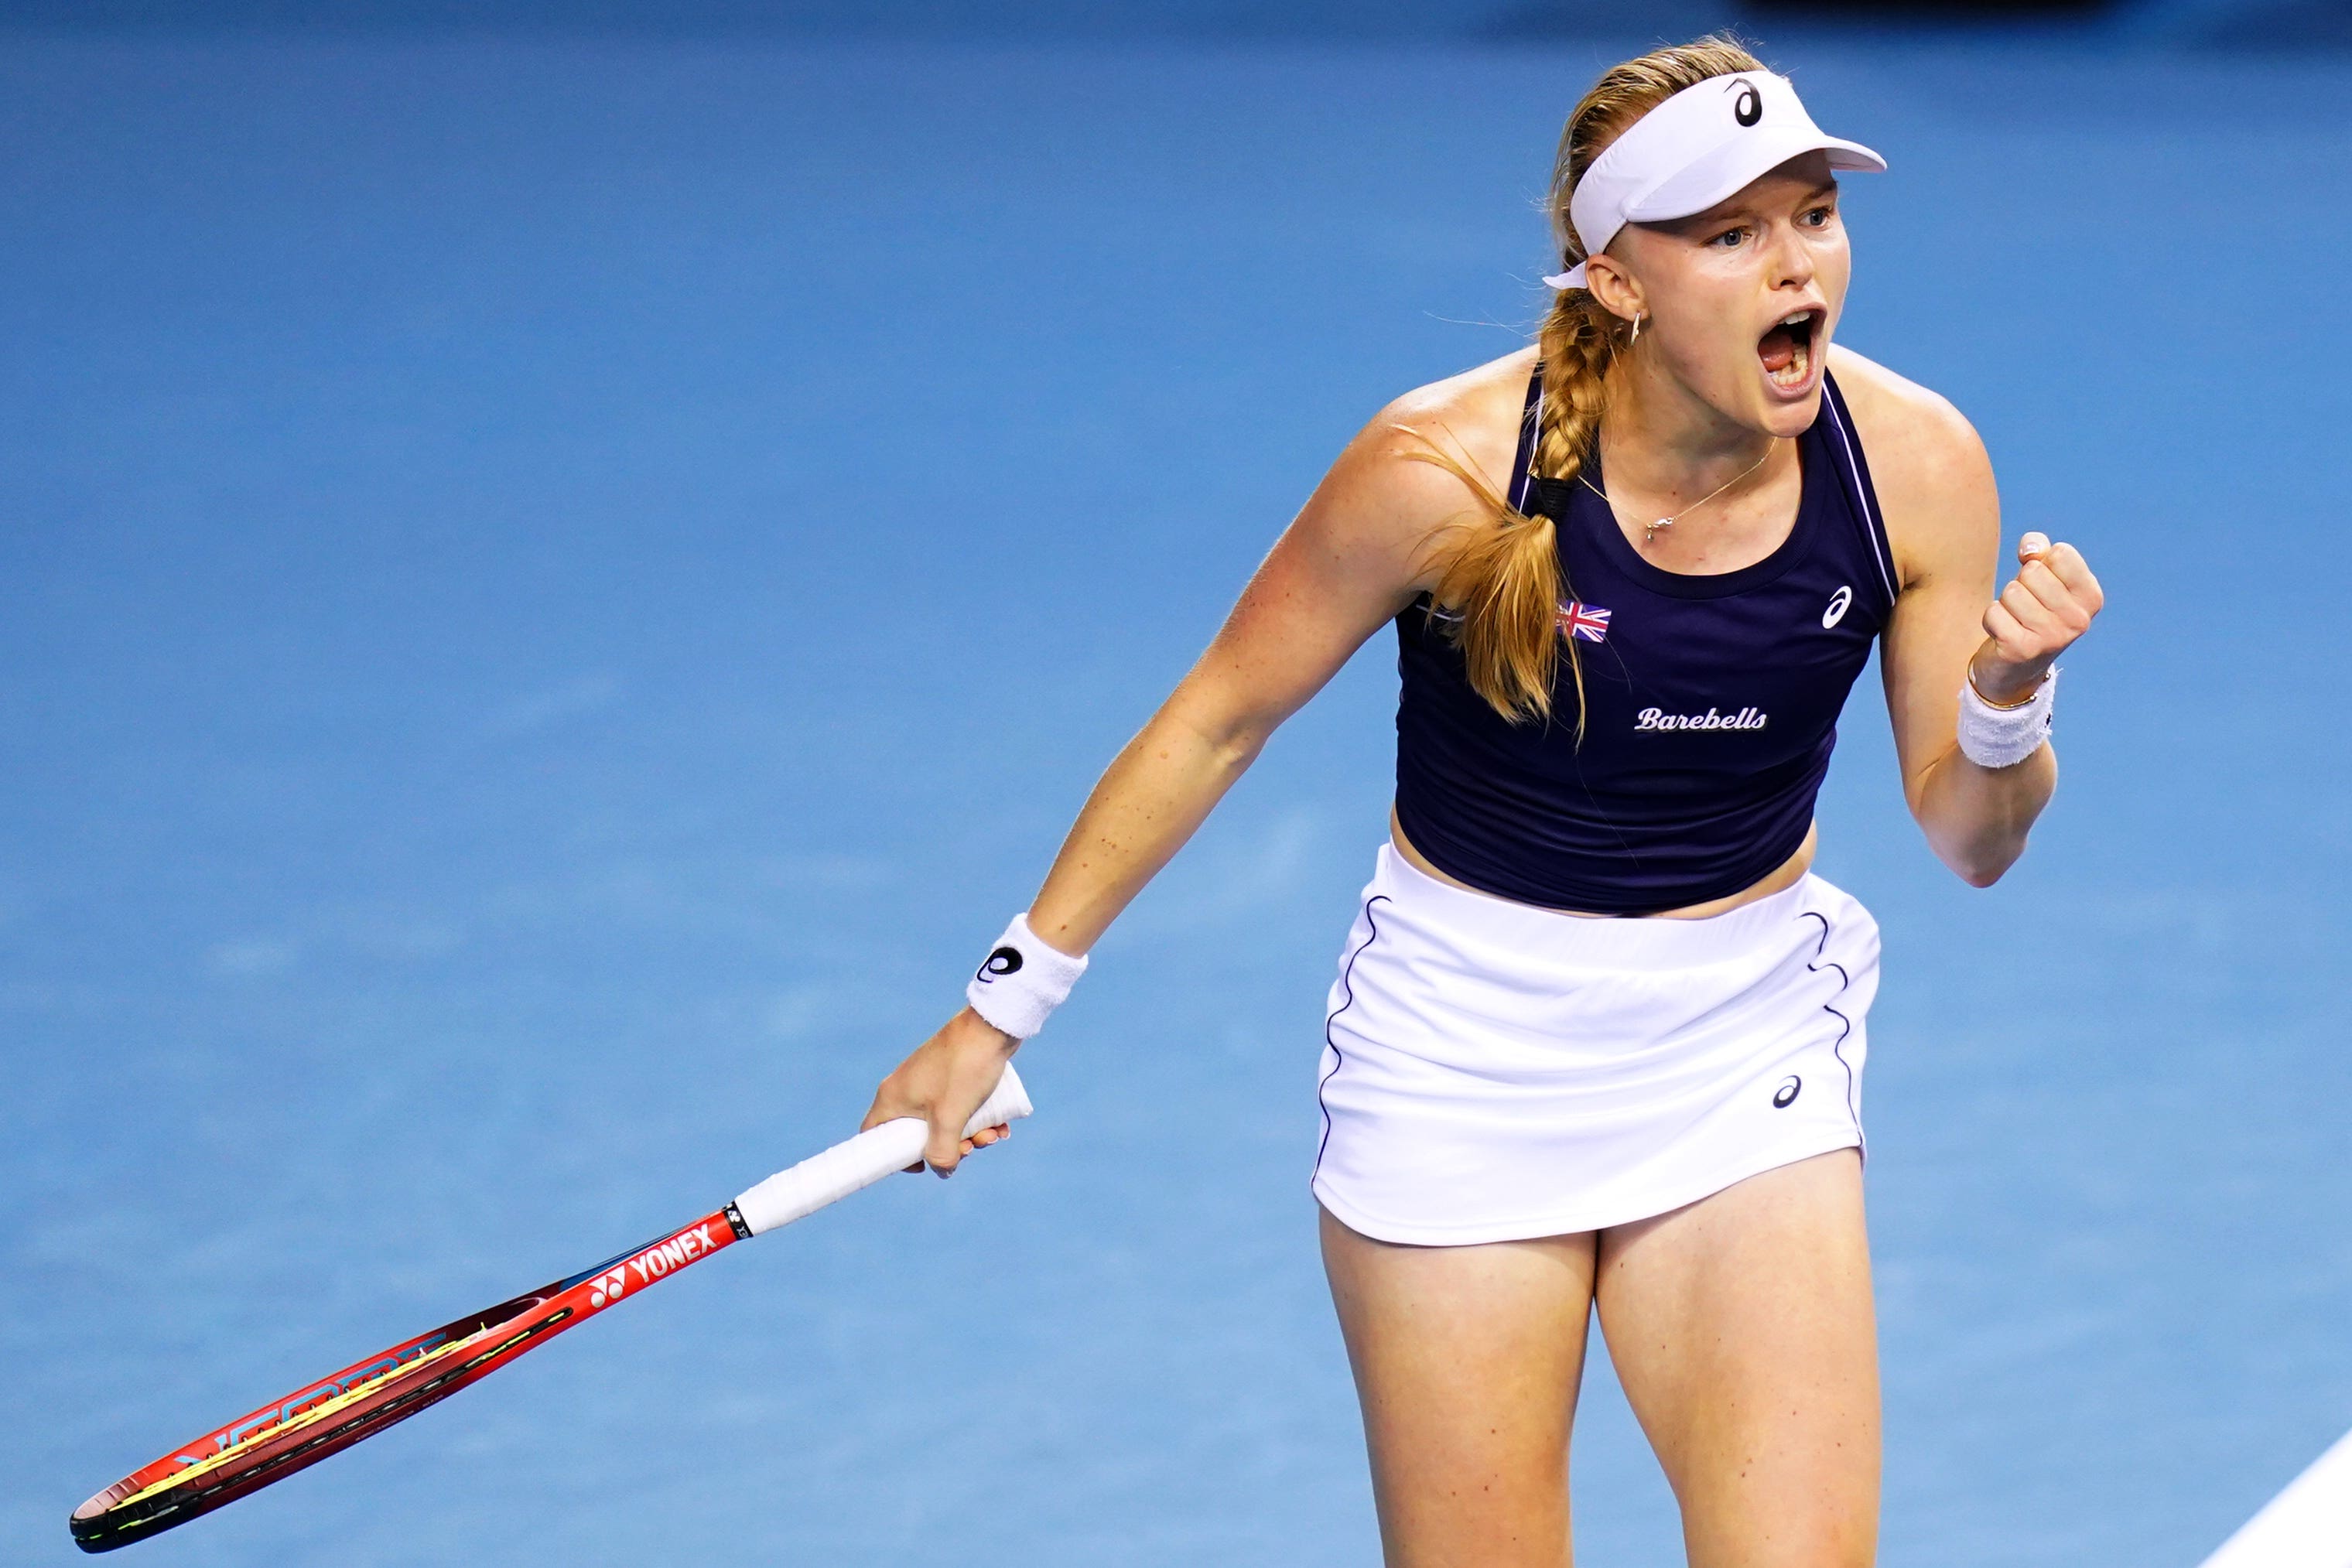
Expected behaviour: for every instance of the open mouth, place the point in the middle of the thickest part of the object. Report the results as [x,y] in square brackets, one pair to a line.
[1788,349]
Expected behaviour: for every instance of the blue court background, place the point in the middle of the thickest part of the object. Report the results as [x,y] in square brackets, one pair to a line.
[555,587]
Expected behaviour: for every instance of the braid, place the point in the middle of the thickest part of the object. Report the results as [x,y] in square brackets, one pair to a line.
[1576,344]
[1503,575]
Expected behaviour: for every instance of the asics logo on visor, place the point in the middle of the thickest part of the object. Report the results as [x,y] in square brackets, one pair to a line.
[1682,158]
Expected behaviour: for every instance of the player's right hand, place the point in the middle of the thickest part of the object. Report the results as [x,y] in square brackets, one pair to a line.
[944,1082]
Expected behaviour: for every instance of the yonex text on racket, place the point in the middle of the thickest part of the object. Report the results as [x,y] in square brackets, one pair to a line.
[328,1414]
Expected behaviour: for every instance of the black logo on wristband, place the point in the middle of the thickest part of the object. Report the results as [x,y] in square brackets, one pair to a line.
[1786,1095]
[1003,961]
[1748,106]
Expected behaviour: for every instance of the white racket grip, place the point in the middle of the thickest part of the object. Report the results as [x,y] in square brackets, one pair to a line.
[862,1161]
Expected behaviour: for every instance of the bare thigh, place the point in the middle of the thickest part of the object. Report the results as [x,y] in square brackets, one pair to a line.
[1742,1329]
[1466,1362]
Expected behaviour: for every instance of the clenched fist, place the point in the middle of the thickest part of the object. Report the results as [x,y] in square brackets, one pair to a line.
[2046,606]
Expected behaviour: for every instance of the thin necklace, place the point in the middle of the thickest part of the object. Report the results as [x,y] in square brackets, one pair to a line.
[1649,531]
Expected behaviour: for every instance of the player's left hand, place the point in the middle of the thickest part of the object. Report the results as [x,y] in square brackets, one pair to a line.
[2046,606]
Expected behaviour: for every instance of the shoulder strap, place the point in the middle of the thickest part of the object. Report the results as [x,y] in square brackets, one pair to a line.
[1530,422]
[1854,476]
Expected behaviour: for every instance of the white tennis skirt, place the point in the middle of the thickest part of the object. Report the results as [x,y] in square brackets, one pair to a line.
[1492,1070]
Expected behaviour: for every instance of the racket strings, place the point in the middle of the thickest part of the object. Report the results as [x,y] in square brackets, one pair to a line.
[310,1416]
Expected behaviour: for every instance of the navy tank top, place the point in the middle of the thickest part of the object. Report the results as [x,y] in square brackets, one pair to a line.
[1711,702]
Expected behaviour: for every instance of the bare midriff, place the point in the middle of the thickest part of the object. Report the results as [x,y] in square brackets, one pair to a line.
[1785,875]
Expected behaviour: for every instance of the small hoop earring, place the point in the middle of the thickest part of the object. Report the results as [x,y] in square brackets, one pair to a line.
[1636,335]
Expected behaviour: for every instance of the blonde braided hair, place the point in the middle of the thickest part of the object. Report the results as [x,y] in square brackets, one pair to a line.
[1502,576]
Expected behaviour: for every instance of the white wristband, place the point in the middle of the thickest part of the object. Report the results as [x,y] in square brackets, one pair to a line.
[2003,737]
[1023,981]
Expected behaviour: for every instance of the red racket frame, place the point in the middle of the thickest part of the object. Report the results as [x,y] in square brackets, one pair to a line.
[261,1447]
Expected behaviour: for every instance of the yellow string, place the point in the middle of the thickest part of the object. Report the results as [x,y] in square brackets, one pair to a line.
[296,1422]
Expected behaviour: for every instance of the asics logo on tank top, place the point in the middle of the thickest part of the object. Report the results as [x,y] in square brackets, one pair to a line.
[1690,726]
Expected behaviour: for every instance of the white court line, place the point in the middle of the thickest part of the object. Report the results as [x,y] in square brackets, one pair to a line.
[2309,1525]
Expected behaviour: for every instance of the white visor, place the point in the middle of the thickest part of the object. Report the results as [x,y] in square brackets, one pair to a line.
[1704,143]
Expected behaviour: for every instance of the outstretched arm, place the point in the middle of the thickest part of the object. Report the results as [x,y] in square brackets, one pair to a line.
[1948,626]
[1348,563]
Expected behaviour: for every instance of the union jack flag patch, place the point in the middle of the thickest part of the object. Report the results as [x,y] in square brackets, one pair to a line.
[1589,622]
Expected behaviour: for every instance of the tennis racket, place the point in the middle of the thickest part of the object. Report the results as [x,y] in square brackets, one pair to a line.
[329,1414]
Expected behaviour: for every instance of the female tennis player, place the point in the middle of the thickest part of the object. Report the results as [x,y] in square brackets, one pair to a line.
[1597,1036]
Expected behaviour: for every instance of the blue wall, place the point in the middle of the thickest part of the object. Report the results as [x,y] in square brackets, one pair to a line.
[2231,23]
